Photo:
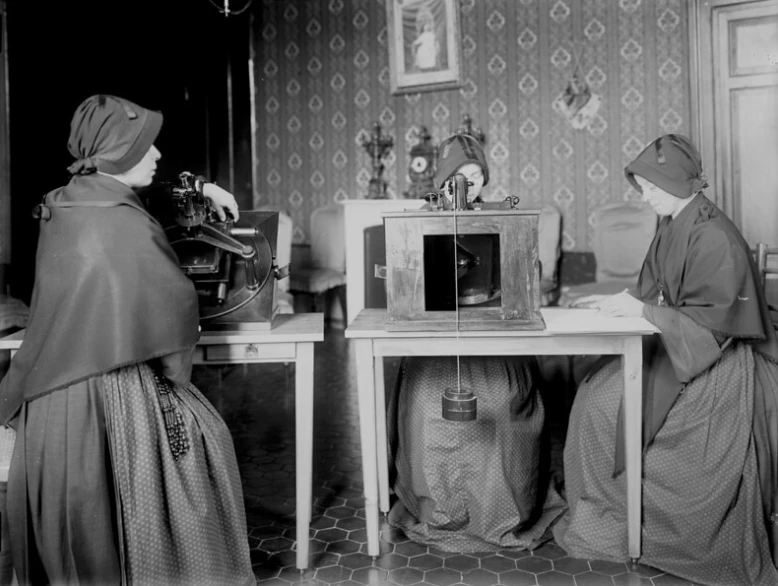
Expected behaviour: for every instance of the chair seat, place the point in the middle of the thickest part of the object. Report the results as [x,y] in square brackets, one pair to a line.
[13,313]
[314,281]
[571,293]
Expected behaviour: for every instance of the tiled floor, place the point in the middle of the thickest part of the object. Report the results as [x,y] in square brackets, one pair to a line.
[257,403]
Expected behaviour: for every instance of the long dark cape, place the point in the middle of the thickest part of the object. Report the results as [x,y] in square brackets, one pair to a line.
[108,292]
[705,269]
[701,264]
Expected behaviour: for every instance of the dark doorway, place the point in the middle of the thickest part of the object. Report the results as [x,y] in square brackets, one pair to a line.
[168,55]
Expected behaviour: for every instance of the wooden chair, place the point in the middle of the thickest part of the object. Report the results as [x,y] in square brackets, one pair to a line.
[549,252]
[622,234]
[767,263]
[322,272]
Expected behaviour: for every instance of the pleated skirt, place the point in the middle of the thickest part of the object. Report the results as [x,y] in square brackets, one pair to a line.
[100,492]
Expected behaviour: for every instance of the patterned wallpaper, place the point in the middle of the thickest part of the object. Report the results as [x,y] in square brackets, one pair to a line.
[322,79]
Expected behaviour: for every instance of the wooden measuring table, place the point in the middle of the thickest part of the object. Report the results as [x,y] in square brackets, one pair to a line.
[568,332]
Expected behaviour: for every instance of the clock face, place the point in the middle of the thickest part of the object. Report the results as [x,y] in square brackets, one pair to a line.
[419,164]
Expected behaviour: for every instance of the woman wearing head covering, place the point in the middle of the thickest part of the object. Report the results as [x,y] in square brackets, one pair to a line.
[122,471]
[710,407]
[475,485]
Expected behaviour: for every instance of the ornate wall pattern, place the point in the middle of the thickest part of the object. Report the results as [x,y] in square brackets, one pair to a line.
[322,76]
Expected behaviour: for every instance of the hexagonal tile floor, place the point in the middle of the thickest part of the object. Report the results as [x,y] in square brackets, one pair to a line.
[257,402]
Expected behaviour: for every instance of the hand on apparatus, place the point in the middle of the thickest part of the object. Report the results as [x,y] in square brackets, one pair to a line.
[620,305]
[222,200]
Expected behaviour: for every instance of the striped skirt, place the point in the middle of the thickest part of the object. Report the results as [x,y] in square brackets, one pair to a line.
[121,480]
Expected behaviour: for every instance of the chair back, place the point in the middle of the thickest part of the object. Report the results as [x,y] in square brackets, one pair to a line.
[622,234]
[767,263]
[328,238]
[550,241]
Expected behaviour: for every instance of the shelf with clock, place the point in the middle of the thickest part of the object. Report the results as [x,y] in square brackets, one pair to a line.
[360,214]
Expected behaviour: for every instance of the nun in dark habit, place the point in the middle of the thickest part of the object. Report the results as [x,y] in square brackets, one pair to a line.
[710,410]
[122,472]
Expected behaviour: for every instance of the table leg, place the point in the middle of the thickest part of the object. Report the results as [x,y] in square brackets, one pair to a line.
[381,440]
[633,438]
[367,431]
[303,447]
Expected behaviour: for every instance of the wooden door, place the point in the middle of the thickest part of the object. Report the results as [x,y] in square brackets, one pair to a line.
[737,102]
[5,157]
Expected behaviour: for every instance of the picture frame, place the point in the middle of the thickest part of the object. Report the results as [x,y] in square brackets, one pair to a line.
[424,45]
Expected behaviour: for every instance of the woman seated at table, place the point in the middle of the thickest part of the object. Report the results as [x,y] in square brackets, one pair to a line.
[710,421]
[476,485]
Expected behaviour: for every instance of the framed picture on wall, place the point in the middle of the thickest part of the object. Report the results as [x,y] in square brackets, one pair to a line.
[424,45]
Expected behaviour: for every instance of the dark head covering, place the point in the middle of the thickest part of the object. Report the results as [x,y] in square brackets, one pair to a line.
[672,163]
[111,135]
[458,150]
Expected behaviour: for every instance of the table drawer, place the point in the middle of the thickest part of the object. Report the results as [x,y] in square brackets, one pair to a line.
[244,353]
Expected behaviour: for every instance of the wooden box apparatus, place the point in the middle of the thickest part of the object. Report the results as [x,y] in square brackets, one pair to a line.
[465,270]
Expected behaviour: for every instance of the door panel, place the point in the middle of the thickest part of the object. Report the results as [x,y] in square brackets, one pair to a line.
[749,40]
[745,105]
[755,161]
[5,156]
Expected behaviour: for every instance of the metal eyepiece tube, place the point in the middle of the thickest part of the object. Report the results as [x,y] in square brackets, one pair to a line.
[251,258]
[460,192]
[249,232]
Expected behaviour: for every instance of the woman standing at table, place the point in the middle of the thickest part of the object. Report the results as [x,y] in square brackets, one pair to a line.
[710,385]
[476,485]
[122,471]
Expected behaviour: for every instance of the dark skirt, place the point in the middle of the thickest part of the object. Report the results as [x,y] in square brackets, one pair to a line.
[97,496]
[478,485]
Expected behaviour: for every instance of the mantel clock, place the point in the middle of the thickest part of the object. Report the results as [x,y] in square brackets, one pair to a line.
[421,169]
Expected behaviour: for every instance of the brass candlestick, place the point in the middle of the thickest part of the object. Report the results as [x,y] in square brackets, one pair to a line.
[377,147]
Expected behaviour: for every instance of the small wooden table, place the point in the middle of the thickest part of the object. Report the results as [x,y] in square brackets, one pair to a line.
[290,340]
[568,332]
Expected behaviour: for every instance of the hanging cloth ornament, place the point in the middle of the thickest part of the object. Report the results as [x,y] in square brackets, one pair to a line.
[577,103]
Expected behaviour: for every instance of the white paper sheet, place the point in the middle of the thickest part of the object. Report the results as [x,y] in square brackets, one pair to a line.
[563,320]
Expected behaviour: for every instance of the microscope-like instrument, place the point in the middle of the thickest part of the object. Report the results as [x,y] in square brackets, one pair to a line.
[232,264]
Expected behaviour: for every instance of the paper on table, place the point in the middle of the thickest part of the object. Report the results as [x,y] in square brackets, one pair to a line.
[591,321]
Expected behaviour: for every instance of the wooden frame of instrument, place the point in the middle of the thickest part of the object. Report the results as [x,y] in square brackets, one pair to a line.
[519,270]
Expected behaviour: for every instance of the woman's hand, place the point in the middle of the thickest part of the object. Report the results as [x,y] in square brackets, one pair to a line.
[621,305]
[588,301]
[222,200]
